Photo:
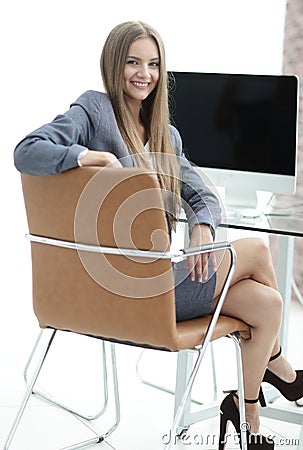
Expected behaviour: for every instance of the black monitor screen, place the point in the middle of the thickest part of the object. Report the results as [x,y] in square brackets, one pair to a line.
[237,122]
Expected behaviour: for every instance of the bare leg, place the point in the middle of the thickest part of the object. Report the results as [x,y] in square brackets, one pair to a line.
[254,262]
[253,297]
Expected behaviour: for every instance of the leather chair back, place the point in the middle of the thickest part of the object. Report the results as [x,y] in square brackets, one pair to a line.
[111,296]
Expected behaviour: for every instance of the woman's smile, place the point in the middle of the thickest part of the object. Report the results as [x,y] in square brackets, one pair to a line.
[140,84]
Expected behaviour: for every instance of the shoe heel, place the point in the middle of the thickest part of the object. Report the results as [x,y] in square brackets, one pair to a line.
[230,413]
[262,398]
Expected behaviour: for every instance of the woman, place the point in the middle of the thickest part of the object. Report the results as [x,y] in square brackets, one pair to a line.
[129,125]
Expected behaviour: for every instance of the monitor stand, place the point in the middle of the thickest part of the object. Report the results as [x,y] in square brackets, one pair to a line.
[244,202]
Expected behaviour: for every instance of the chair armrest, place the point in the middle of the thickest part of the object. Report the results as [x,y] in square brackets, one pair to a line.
[104,249]
[206,248]
[190,251]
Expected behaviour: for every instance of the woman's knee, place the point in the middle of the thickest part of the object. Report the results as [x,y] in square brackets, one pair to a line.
[257,248]
[266,311]
[271,307]
[262,248]
[254,260]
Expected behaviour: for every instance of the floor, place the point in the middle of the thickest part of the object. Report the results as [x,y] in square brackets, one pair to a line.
[73,370]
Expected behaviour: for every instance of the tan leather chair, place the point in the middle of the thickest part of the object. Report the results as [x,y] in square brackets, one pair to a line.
[101,266]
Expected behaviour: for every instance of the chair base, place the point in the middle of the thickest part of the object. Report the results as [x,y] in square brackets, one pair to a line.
[61,405]
[30,390]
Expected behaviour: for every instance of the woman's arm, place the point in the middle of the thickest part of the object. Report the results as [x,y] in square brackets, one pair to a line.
[56,146]
[52,148]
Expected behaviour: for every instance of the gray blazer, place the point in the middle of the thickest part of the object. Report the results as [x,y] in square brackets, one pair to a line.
[90,123]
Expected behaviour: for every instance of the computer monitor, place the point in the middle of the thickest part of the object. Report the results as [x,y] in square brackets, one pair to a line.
[240,129]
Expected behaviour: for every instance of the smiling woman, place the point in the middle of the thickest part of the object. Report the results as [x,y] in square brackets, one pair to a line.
[129,125]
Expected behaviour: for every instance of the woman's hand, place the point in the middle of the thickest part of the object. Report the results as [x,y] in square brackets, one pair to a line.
[94,158]
[198,264]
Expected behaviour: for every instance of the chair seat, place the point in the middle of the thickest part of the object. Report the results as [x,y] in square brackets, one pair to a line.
[191,332]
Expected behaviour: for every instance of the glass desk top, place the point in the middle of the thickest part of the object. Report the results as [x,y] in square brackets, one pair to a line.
[290,224]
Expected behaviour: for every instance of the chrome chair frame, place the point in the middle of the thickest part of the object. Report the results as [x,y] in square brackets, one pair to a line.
[55,402]
[199,349]
[206,410]
[30,390]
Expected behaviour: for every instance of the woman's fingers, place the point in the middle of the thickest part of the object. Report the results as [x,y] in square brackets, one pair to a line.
[198,267]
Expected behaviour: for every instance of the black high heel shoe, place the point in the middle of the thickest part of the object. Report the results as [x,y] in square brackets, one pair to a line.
[291,391]
[230,412]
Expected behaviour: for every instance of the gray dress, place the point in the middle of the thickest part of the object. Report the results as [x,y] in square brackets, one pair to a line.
[192,298]
[90,123]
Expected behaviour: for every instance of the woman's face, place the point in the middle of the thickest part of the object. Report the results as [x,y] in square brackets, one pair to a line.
[141,72]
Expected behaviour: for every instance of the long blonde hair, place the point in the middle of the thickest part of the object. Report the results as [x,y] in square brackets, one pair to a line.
[155,111]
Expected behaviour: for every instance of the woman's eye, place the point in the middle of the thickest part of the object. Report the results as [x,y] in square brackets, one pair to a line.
[131,61]
[155,64]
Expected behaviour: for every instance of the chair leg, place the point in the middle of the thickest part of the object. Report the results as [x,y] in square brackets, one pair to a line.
[186,394]
[184,367]
[213,366]
[30,388]
[28,393]
[178,415]
[62,405]
[102,437]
